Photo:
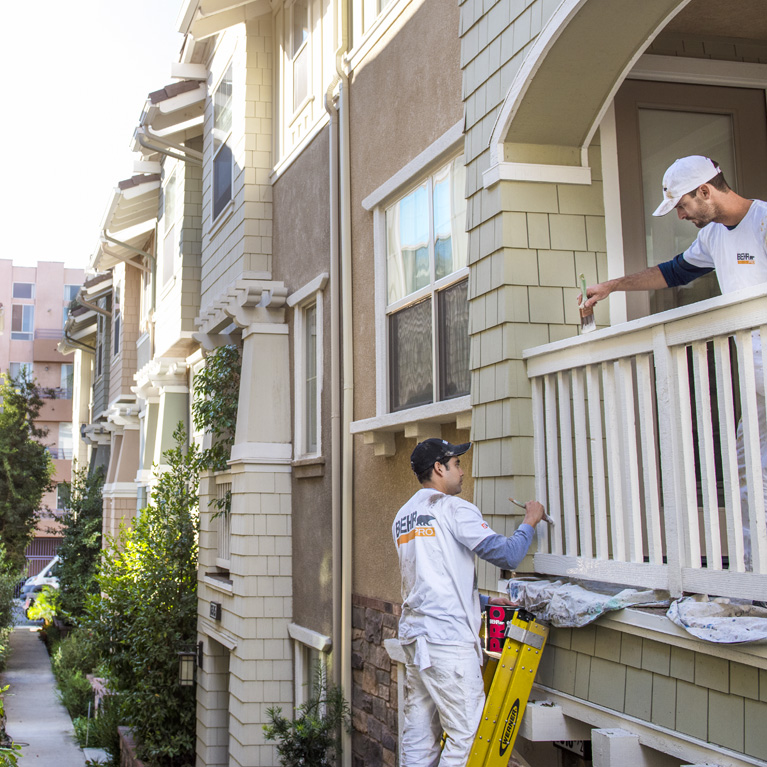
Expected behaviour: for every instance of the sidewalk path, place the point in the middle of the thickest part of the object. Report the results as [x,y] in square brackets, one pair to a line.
[34,713]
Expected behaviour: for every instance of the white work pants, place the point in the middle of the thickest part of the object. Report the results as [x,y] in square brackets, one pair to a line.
[443,691]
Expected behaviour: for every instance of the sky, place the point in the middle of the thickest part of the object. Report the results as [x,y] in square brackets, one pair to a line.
[76,76]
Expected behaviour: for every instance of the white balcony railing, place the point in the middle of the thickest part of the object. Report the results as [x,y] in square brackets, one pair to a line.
[635,450]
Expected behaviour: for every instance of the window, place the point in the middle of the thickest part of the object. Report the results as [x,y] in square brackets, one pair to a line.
[299,51]
[222,152]
[64,317]
[307,332]
[169,225]
[427,313]
[62,497]
[65,441]
[16,369]
[70,292]
[22,322]
[99,346]
[67,379]
[311,649]
[116,323]
[24,290]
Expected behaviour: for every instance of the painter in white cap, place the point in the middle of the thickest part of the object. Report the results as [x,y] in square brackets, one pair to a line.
[731,241]
[685,176]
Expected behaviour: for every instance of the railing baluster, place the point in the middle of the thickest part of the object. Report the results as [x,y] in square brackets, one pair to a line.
[632,513]
[668,432]
[539,439]
[733,516]
[596,438]
[649,458]
[582,463]
[552,464]
[688,504]
[614,463]
[706,453]
[568,469]
[750,425]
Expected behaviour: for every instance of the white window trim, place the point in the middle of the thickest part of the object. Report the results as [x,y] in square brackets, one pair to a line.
[672,69]
[174,176]
[311,293]
[306,638]
[216,220]
[297,111]
[420,167]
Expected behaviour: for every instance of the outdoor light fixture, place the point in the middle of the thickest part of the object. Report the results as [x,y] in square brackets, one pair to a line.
[189,657]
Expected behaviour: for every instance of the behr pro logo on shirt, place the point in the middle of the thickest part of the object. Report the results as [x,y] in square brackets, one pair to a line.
[413,525]
[745,258]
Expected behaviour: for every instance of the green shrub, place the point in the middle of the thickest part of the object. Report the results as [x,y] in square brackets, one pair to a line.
[74,653]
[75,692]
[101,730]
[9,751]
[46,606]
[312,738]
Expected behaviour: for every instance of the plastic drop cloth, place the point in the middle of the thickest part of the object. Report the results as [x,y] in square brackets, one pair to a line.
[572,604]
[726,621]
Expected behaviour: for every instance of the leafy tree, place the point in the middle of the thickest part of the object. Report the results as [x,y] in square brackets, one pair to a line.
[214,409]
[312,737]
[25,465]
[80,549]
[148,609]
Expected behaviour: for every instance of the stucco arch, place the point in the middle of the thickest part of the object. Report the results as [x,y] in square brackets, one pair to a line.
[570,76]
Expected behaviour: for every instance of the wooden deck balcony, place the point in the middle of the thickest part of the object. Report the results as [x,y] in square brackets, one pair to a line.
[635,432]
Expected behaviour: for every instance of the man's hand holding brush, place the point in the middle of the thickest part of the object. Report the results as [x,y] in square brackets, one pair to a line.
[534,512]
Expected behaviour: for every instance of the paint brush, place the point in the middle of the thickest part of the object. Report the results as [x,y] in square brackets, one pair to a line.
[546,517]
[588,323]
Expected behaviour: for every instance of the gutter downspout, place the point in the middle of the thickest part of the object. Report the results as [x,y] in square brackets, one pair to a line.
[335,385]
[341,18]
[93,307]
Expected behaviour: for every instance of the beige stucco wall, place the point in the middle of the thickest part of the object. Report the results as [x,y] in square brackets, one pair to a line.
[301,253]
[401,102]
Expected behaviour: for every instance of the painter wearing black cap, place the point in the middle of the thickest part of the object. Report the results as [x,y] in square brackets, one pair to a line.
[432,451]
[438,536]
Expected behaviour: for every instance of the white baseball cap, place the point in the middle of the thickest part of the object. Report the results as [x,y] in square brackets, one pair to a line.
[684,176]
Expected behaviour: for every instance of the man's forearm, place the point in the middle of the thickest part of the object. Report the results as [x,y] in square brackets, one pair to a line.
[648,279]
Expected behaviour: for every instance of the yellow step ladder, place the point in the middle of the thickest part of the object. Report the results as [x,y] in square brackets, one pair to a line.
[509,679]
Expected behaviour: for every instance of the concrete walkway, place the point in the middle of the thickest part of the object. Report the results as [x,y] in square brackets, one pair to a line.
[32,708]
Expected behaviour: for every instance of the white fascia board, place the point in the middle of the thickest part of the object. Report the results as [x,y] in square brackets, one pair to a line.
[185,71]
[183,100]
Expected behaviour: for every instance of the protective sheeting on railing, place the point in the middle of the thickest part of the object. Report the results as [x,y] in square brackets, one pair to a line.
[636,450]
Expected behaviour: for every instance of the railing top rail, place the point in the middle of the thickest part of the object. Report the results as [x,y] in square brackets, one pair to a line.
[744,308]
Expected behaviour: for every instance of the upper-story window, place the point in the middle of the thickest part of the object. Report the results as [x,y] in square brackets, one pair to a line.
[299,51]
[24,290]
[67,379]
[22,322]
[116,323]
[70,292]
[17,369]
[222,151]
[427,313]
[169,217]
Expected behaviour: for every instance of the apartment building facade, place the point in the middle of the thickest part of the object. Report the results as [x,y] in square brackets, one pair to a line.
[386,206]
[35,301]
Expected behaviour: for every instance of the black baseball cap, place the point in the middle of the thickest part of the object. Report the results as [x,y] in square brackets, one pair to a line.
[432,451]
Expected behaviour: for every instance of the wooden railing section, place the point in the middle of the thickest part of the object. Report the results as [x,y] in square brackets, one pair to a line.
[635,431]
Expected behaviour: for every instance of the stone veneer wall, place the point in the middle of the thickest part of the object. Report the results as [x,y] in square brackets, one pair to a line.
[374,691]
[707,697]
